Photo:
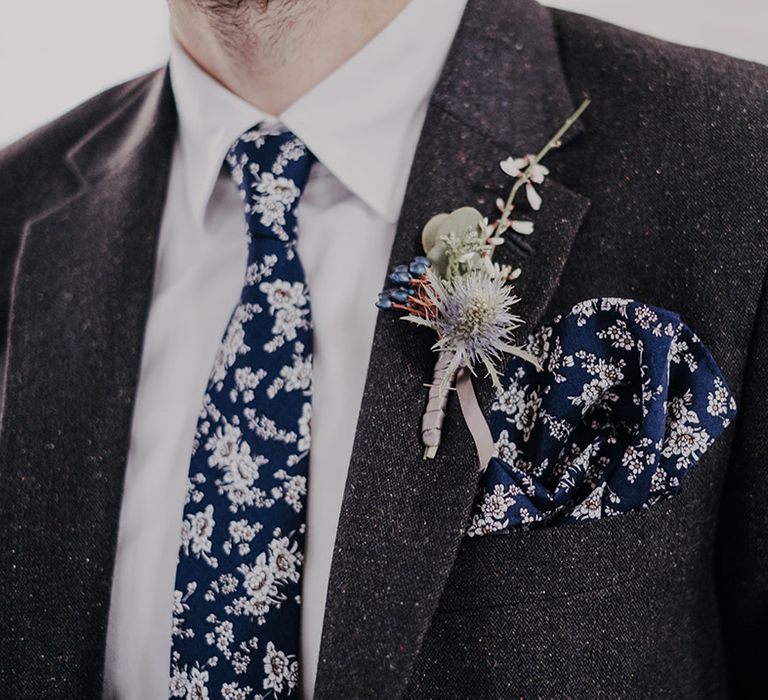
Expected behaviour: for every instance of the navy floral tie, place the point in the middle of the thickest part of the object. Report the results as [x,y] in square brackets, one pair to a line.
[238,593]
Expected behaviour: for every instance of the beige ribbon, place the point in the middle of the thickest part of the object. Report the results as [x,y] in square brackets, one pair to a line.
[473,415]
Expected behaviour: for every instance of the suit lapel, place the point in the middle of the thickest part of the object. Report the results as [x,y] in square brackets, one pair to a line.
[81,293]
[501,93]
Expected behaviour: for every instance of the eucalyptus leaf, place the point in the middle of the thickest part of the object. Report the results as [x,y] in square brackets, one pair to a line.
[438,256]
[460,221]
[430,233]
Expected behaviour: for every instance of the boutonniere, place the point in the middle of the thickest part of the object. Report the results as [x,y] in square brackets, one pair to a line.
[459,292]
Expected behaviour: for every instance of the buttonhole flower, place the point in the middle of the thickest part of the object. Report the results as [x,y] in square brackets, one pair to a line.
[473,320]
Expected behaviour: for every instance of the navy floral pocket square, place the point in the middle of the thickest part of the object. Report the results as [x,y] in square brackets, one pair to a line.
[626,401]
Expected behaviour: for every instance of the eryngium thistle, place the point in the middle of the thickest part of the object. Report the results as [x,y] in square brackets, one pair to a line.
[473,321]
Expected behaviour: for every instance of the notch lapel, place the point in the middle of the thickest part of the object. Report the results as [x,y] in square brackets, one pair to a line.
[501,93]
[82,288]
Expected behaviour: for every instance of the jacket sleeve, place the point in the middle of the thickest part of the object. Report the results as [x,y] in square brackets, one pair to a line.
[744,528]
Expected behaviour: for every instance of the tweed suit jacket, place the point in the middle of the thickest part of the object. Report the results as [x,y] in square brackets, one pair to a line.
[659,194]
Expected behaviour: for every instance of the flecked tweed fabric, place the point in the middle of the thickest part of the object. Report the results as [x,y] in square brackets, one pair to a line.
[659,196]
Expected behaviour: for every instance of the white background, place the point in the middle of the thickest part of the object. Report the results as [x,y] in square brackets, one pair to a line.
[56,53]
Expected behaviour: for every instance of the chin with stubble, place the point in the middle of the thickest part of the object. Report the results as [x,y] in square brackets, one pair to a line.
[270,52]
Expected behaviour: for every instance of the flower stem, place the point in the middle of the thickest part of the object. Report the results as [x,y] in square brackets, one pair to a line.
[525,177]
[434,414]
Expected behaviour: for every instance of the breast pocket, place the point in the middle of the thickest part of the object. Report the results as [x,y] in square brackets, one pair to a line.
[620,607]
[519,566]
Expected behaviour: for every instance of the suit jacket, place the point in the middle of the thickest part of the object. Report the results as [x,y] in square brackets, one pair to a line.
[659,194]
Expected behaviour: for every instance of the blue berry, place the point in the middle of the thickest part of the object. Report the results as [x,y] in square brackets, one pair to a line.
[400,277]
[399,295]
[417,269]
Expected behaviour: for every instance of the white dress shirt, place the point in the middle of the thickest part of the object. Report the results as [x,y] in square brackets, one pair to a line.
[362,123]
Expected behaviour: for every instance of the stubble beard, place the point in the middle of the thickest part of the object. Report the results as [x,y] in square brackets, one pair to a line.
[256,26]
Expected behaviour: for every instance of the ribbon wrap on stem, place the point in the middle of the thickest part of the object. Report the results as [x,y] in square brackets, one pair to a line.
[437,403]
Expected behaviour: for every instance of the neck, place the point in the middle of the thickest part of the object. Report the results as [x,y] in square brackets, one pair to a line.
[272,52]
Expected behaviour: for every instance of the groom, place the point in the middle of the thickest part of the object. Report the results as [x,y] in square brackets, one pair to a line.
[123,254]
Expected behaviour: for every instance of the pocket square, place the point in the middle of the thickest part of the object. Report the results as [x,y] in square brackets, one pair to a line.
[626,401]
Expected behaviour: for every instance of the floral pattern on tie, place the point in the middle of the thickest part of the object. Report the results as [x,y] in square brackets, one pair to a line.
[237,601]
[627,400]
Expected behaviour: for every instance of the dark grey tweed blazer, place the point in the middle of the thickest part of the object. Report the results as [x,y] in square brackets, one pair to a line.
[660,195]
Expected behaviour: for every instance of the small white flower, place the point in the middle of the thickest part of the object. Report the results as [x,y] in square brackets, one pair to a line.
[223,445]
[522,227]
[538,173]
[287,320]
[223,636]
[179,683]
[236,166]
[292,150]
[241,531]
[272,211]
[496,504]
[591,508]
[196,532]
[259,579]
[240,662]
[294,491]
[534,198]
[718,400]
[514,166]
[283,295]
[277,189]
[284,559]
[280,670]
[304,427]
[198,685]
[298,376]
[232,691]
[258,135]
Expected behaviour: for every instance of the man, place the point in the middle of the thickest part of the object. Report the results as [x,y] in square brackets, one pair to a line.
[122,256]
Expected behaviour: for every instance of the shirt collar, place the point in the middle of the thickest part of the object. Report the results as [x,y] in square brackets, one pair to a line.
[362,122]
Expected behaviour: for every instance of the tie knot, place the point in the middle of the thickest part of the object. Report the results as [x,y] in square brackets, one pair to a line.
[270,168]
